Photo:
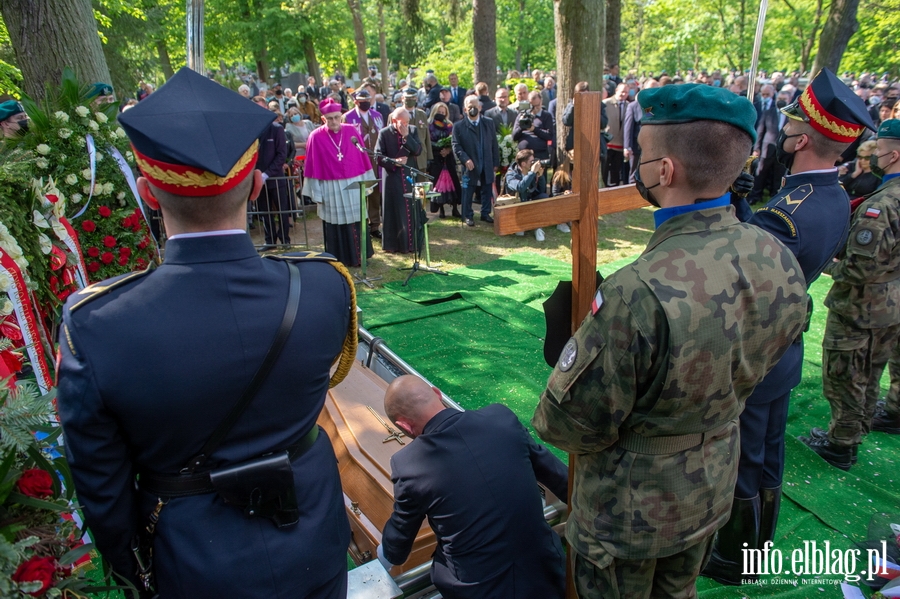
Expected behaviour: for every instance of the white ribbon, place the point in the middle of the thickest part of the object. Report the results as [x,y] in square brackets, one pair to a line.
[92,153]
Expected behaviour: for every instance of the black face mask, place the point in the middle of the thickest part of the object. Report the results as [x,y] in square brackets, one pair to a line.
[873,164]
[780,104]
[365,106]
[439,117]
[643,189]
[782,156]
[278,92]
[23,127]
[472,112]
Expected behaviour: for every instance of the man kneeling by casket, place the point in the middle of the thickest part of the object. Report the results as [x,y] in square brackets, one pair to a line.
[474,474]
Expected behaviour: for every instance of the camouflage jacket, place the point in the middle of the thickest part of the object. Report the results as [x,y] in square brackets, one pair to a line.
[866,289]
[681,337]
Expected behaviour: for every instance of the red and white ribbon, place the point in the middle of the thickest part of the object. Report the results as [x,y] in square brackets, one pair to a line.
[21,300]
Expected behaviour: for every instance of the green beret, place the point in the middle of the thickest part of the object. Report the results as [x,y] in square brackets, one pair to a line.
[100,89]
[9,108]
[675,104]
[889,129]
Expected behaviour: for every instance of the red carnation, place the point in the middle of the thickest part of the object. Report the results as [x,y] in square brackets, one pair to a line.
[126,222]
[104,211]
[88,226]
[143,243]
[93,267]
[126,251]
[93,252]
[123,260]
[37,569]
[141,263]
[35,482]
[107,257]
[109,241]
[137,225]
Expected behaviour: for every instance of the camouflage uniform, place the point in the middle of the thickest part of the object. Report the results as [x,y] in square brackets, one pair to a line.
[863,325]
[649,390]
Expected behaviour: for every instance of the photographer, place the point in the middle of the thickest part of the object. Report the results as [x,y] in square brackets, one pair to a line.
[530,134]
[526,179]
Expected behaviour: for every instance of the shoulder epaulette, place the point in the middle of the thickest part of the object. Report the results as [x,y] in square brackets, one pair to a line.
[92,292]
[792,200]
[783,216]
[302,257]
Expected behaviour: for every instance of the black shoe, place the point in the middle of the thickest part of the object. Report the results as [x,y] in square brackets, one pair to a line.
[455,213]
[819,433]
[836,455]
[376,234]
[470,222]
[441,212]
[885,423]
[726,563]
[487,219]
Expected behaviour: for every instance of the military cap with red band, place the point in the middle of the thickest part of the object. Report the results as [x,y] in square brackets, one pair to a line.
[194,137]
[831,108]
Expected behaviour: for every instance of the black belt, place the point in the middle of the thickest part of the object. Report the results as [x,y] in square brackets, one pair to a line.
[185,485]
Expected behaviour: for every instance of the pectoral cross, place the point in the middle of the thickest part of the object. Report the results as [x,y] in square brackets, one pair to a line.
[340,156]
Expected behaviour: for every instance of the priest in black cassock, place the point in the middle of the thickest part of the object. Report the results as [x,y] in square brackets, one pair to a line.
[401,214]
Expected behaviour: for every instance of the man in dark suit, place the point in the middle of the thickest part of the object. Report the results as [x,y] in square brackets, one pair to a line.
[457,93]
[152,362]
[455,111]
[502,114]
[476,148]
[432,91]
[274,202]
[768,126]
[633,112]
[475,475]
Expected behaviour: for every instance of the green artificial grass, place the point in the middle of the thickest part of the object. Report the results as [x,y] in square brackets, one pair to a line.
[478,335]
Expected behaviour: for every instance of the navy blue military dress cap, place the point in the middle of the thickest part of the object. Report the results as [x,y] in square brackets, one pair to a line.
[831,108]
[362,94]
[194,137]
[10,108]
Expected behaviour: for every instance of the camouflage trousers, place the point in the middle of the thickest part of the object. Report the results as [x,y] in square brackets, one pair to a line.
[892,399]
[672,577]
[853,361]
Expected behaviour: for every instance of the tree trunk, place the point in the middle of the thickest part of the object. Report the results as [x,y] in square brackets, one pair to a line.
[580,27]
[484,33]
[613,31]
[839,28]
[359,35]
[519,36]
[163,51]
[262,65]
[638,37]
[382,48]
[312,62]
[49,35]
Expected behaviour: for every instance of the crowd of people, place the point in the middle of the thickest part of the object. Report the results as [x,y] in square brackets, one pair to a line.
[824,157]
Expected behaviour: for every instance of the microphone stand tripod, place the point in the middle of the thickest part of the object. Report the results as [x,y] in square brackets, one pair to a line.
[412,171]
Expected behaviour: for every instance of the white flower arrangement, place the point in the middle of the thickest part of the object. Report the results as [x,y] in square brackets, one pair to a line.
[71,179]
[86,189]
[82,111]
[45,243]
[77,197]
[42,149]
[507,149]
[108,188]
[93,125]
[61,116]
[120,196]
[39,220]
[64,133]
[6,307]
[129,156]
[9,245]
[101,118]
[42,163]
[86,173]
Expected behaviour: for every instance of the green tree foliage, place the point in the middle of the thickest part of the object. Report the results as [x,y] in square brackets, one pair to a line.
[875,47]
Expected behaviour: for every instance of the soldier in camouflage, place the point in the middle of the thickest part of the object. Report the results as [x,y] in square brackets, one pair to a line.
[648,391]
[863,324]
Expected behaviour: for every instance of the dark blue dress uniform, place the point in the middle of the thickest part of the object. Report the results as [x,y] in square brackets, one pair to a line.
[152,362]
[811,217]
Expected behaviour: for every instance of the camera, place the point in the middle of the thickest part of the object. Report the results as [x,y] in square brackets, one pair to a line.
[545,163]
[525,121]
[523,106]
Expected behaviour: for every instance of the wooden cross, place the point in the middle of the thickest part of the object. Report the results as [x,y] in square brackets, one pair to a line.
[582,207]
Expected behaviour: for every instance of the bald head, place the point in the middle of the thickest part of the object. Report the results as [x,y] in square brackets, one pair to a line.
[410,403]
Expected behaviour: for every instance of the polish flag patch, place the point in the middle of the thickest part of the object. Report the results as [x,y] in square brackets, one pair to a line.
[597,303]
[873,212]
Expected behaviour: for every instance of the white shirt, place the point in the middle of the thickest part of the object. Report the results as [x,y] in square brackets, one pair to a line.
[208,234]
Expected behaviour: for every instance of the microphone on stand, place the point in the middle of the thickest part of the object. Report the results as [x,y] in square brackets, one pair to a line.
[355,141]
